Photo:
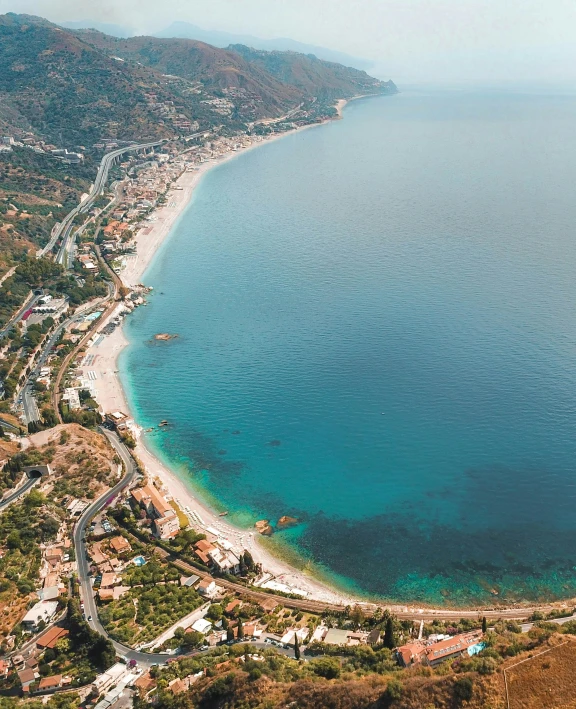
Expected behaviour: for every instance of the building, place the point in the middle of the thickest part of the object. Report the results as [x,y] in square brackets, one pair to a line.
[335,636]
[190,580]
[411,653]
[202,626]
[118,420]
[54,556]
[120,545]
[268,605]
[112,676]
[226,562]
[50,682]
[288,638]
[465,644]
[168,526]
[51,637]
[374,636]
[207,587]
[232,605]
[166,523]
[109,579]
[42,611]
[26,677]
[204,546]
[49,593]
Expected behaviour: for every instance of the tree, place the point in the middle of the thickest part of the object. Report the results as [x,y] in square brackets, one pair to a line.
[394,690]
[215,612]
[326,667]
[389,634]
[357,616]
[49,528]
[463,689]
[484,624]
[240,629]
[296,647]
[248,560]
[192,639]
[230,634]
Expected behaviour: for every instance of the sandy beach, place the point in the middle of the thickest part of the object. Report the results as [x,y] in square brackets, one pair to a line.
[111,397]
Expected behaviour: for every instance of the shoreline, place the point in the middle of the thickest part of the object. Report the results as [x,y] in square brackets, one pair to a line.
[111,396]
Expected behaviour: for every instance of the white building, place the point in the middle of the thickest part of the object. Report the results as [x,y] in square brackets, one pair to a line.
[42,611]
[225,561]
[56,306]
[113,676]
[202,626]
[207,587]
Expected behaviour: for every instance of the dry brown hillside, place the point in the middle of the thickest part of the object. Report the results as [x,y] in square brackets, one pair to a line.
[81,460]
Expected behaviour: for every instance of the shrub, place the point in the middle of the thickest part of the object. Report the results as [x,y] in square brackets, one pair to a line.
[326,667]
[463,689]
[394,690]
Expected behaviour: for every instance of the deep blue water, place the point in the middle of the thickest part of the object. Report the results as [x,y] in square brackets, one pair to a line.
[377,335]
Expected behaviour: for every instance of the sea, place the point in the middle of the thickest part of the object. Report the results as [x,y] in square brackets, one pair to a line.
[376,335]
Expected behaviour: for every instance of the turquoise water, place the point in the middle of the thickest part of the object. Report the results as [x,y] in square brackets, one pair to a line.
[377,335]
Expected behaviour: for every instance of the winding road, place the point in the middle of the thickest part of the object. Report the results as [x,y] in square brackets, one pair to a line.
[144,659]
[64,229]
[19,492]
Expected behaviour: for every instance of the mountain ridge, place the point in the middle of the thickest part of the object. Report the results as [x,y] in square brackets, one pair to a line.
[76,86]
[218,38]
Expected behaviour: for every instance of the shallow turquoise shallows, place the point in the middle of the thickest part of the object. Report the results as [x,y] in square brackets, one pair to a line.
[377,335]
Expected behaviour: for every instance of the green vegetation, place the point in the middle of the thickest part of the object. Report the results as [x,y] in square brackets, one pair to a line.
[87,644]
[22,529]
[148,609]
[81,655]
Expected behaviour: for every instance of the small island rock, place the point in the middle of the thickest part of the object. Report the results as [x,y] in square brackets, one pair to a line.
[286,522]
[264,527]
[164,336]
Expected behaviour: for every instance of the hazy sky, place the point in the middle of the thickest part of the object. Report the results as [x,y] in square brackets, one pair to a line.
[410,40]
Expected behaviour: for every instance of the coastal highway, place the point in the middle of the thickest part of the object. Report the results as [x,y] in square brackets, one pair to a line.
[144,659]
[27,398]
[19,492]
[30,302]
[31,412]
[65,227]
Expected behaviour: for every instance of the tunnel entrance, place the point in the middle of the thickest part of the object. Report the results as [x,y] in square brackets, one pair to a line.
[37,471]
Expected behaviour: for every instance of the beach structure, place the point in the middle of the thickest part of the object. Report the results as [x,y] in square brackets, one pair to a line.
[164,517]
[118,420]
